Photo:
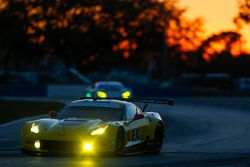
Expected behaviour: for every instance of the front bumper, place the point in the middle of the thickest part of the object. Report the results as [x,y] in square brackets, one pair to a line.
[96,145]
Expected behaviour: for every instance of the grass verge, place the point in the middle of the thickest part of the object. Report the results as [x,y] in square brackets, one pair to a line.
[15,109]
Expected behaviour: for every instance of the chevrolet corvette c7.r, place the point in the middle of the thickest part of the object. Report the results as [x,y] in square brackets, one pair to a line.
[91,126]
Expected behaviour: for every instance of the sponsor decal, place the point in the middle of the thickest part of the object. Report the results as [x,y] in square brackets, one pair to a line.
[136,135]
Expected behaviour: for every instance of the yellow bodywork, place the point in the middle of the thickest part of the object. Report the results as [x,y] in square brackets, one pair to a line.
[93,136]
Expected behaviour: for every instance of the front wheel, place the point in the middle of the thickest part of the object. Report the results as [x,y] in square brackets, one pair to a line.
[120,143]
[158,138]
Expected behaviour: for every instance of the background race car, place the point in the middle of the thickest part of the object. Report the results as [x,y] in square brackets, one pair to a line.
[91,126]
[111,89]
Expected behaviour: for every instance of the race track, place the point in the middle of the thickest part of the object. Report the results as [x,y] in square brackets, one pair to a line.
[197,135]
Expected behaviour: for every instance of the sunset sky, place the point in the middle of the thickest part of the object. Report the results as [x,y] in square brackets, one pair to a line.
[217,14]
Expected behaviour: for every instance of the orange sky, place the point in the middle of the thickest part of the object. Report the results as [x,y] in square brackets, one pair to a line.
[217,14]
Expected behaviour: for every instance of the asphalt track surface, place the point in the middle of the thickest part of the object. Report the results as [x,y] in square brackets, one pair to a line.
[200,132]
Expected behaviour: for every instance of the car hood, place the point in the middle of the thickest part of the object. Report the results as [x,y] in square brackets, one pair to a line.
[66,129]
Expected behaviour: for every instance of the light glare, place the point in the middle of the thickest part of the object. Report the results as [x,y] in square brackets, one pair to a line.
[99,131]
[37,144]
[34,128]
[126,94]
[88,95]
[101,94]
[87,146]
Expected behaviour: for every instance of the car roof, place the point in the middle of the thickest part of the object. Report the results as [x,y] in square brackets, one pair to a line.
[101,103]
[217,75]
[108,83]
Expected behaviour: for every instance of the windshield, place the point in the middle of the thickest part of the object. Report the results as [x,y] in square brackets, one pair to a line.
[91,112]
[113,87]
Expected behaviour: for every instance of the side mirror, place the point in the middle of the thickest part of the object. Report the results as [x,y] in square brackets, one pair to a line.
[53,114]
[138,116]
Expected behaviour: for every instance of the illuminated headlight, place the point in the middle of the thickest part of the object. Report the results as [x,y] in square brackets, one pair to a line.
[88,94]
[126,94]
[87,147]
[34,128]
[102,94]
[99,131]
[37,144]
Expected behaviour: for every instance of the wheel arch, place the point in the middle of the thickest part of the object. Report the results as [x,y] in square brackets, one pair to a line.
[162,125]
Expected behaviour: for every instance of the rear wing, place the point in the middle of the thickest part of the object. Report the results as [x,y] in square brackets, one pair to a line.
[145,101]
[152,101]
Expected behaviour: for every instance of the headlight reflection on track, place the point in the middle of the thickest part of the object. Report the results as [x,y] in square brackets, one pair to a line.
[88,163]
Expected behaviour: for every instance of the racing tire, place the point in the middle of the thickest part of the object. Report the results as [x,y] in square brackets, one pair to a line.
[158,139]
[120,142]
[28,153]
[25,152]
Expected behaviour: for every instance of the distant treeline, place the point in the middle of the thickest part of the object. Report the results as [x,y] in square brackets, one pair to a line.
[143,35]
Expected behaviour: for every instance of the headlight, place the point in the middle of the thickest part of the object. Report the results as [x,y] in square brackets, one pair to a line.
[88,95]
[87,147]
[99,131]
[37,144]
[102,94]
[126,94]
[34,128]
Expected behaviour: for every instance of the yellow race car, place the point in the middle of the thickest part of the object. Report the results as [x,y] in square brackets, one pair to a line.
[92,126]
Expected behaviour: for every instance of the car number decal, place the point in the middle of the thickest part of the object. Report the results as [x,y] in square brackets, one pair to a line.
[136,134]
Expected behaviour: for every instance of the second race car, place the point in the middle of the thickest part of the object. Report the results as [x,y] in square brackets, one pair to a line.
[109,89]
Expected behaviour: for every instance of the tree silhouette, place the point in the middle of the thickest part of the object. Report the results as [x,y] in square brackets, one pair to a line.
[244,12]
[218,53]
[96,33]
